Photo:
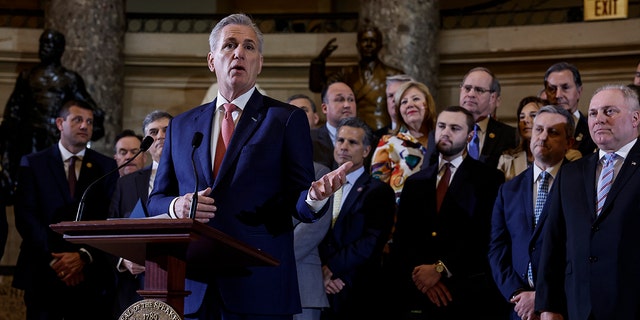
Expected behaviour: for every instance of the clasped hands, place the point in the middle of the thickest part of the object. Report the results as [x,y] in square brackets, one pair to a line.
[427,280]
[68,267]
[320,189]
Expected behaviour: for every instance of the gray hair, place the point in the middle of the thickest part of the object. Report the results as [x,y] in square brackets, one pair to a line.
[237,19]
[153,116]
[630,96]
[569,125]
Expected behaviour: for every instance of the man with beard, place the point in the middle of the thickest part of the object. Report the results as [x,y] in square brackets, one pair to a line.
[442,232]
[563,87]
[367,78]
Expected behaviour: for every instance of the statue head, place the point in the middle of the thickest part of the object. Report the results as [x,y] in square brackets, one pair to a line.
[369,41]
[52,45]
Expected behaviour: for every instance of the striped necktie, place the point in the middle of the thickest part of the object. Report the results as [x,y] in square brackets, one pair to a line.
[605,181]
[474,144]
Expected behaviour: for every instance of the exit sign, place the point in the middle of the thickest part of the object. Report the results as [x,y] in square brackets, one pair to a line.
[605,9]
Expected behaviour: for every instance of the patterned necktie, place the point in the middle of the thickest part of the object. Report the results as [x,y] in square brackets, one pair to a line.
[226,131]
[605,181]
[543,191]
[474,144]
[71,176]
[443,185]
[337,203]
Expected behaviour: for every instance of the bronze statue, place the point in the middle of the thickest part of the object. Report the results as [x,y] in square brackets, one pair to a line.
[29,116]
[367,79]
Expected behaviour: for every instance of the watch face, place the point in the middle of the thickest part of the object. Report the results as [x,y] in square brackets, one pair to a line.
[439,268]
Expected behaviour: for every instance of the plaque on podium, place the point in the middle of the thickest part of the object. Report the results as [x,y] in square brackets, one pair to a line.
[168,248]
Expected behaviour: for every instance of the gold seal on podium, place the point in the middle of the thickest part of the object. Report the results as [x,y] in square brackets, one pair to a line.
[149,309]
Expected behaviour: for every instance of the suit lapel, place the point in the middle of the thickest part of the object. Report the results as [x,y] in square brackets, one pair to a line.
[527,197]
[202,157]
[57,170]
[588,176]
[251,117]
[354,195]
[628,169]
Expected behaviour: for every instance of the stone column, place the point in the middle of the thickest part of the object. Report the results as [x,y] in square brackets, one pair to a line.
[410,34]
[94,32]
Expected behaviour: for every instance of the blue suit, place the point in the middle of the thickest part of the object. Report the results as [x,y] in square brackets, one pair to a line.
[514,239]
[43,198]
[589,265]
[352,249]
[262,183]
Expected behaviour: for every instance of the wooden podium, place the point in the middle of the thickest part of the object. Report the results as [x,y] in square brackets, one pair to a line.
[170,249]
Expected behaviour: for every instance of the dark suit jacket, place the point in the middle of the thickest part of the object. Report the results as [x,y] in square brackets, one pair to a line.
[583,142]
[131,189]
[514,240]
[43,198]
[352,249]
[498,138]
[458,236]
[262,182]
[323,147]
[589,266]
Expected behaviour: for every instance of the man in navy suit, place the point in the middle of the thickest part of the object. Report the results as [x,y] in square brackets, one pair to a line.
[251,190]
[478,93]
[439,256]
[351,251]
[61,279]
[130,200]
[590,259]
[563,87]
[516,232]
[338,102]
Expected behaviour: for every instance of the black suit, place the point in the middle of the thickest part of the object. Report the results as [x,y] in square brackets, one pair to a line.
[43,198]
[458,236]
[323,147]
[589,265]
[583,142]
[352,249]
[131,190]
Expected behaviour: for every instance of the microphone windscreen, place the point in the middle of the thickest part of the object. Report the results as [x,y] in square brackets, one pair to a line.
[197,139]
[146,143]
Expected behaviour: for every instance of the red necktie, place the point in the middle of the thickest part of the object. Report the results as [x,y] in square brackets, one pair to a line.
[226,130]
[71,177]
[443,185]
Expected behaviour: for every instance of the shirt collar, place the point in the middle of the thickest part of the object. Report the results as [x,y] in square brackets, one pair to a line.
[240,101]
[622,152]
[483,124]
[354,175]
[553,171]
[66,154]
[456,162]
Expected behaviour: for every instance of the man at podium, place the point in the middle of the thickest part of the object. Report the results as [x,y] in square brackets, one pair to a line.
[252,167]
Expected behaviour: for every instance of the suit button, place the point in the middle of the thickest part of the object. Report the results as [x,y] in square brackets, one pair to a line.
[593,259]
[433,234]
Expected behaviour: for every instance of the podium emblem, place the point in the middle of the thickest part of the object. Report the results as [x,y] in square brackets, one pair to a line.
[149,309]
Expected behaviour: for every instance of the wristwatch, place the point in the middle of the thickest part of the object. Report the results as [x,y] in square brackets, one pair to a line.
[440,267]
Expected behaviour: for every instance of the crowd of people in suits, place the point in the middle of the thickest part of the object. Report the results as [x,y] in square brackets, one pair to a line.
[443,215]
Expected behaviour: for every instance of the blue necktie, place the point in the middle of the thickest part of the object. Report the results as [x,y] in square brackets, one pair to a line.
[474,144]
[543,191]
[605,181]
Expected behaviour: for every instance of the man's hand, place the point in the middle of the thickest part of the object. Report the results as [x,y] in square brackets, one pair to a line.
[330,182]
[550,316]
[439,294]
[68,266]
[331,286]
[525,305]
[204,211]
[425,276]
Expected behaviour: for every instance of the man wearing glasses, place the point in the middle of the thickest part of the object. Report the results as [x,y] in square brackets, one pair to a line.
[478,92]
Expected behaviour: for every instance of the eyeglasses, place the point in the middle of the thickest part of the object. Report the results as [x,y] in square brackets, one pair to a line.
[478,90]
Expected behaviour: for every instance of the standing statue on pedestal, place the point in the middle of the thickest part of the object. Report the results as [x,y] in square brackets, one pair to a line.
[29,117]
[367,79]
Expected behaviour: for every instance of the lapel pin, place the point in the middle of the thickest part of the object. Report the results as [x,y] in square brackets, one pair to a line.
[89,164]
[492,135]
[359,189]
[633,163]
[254,119]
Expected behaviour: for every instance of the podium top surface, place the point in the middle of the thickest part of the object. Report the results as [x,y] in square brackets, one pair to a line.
[189,240]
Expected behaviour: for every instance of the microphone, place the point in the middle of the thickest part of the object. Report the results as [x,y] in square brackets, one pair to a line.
[144,146]
[195,143]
